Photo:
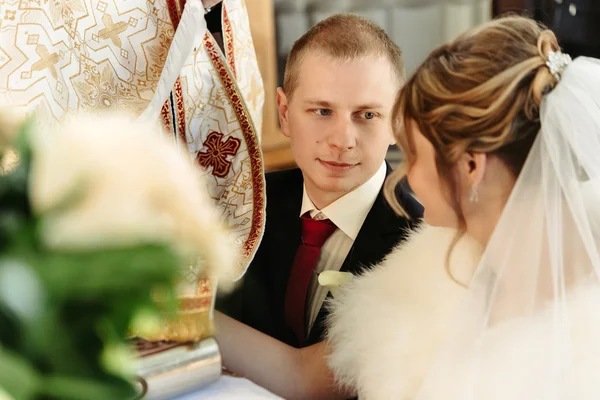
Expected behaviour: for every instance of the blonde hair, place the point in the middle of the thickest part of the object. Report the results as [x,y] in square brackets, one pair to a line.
[343,37]
[479,93]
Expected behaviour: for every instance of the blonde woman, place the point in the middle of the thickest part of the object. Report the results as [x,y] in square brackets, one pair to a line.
[498,297]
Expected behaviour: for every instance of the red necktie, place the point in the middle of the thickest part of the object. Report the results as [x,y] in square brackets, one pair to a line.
[314,234]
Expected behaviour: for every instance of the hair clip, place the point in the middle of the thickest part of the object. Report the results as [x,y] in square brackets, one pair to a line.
[557,62]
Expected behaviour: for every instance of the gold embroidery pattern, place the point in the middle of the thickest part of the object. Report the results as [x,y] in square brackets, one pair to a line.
[228,38]
[112,30]
[65,10]
[175,8]
[166,116]
[63,55]
[180,110]
[195,303]
[248,79]
[54,52]
[157,50]
[99,90]
[47,60]
[254,151]
[217,153]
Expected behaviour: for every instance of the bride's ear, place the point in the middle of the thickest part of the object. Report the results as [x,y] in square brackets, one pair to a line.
[472,169]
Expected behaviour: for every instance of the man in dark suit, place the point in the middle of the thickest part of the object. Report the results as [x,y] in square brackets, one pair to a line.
[340,84]
[264,288]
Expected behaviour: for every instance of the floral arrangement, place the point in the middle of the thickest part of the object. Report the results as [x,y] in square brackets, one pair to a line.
[99,215]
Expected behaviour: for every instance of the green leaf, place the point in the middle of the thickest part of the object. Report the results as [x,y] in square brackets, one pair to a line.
[17,375]
[102,273]
[90,298]
[22,143]
[82,289]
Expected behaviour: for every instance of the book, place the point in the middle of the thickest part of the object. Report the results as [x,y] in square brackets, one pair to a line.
[168,369]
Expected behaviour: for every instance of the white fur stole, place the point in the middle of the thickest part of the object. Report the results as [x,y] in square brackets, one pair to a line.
[386,325]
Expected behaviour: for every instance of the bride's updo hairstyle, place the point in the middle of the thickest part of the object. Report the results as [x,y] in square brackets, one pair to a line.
[479,93]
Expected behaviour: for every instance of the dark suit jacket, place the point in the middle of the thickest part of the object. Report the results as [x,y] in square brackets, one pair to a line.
[579,34]
[259,301]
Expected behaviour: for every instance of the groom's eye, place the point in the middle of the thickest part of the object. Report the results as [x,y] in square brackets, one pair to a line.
[323,112]
[368,115]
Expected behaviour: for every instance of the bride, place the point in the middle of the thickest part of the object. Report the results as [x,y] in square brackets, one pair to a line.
[497,296]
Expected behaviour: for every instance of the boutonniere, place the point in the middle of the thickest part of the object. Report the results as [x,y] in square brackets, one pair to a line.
[335,280]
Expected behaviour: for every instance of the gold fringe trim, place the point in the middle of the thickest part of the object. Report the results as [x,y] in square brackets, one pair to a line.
[188,327]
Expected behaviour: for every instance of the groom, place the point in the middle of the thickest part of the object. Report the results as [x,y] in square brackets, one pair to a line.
[340,83]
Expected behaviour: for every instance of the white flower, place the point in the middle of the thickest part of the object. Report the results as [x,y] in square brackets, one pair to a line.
[110,180]
[334,280]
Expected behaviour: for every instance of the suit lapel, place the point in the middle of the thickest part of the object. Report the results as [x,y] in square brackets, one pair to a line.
[380,232]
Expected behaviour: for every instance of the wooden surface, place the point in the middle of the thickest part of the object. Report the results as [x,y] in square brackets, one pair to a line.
[275,146]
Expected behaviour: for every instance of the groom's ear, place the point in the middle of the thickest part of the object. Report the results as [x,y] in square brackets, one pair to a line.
[282,109]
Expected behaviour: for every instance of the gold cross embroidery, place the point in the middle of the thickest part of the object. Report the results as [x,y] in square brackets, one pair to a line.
[112,30]
[46,60]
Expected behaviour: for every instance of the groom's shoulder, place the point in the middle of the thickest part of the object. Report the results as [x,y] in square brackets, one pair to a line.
[278,182]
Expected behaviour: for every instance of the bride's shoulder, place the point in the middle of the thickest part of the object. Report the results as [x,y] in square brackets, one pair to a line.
[390,317]
[416,264]
[413,272]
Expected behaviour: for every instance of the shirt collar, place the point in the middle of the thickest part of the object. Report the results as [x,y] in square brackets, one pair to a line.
[349,211]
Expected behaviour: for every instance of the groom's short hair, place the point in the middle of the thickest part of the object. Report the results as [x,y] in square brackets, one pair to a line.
[343,37]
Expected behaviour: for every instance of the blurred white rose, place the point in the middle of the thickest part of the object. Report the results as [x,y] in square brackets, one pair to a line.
[110,180]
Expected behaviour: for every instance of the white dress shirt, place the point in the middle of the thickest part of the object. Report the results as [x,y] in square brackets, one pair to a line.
[347,213]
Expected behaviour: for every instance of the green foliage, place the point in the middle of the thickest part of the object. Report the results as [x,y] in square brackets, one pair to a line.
[63,312]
